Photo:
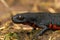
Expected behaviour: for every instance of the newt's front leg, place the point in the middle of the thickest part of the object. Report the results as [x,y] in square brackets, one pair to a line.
[45,28]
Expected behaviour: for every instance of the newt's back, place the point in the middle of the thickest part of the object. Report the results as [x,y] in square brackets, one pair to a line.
[56,18]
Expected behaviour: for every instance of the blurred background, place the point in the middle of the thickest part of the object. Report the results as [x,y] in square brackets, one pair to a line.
[18,6]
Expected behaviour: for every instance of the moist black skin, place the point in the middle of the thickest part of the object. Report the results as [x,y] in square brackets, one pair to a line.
[41,19]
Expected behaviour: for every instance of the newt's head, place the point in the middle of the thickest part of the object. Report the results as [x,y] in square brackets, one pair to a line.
[19,18]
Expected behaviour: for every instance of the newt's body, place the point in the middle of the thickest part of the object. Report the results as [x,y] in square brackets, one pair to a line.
[41,19]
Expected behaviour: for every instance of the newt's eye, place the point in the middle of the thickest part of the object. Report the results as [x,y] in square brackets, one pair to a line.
[20,17]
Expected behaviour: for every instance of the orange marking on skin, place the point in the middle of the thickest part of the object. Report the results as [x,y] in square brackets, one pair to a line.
[50,26]
[56,27]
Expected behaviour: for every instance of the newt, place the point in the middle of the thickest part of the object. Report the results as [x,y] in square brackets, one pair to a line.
[43,20]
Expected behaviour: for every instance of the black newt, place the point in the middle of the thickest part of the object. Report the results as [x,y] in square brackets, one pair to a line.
[41,19]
